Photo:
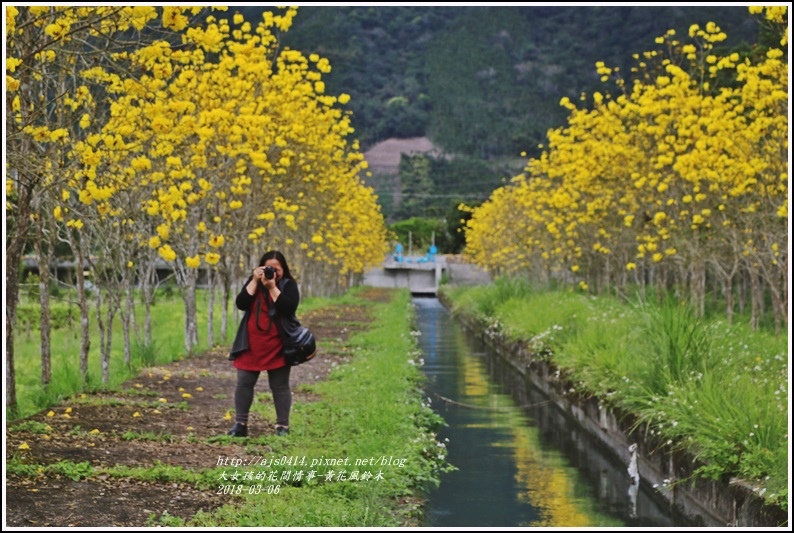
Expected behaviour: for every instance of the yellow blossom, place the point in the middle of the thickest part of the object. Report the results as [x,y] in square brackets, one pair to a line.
[167,253]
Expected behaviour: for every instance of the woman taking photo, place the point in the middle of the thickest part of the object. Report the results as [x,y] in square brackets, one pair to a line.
[257,346]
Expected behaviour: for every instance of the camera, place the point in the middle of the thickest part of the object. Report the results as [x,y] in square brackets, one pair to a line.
[270,272]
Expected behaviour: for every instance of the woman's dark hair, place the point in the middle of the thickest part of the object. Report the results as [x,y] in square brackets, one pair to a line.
[278,256]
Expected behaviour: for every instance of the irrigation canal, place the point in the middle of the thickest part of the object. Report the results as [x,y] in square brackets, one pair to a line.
[520,462]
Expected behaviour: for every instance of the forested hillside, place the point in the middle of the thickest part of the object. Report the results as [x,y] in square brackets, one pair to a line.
[483,83]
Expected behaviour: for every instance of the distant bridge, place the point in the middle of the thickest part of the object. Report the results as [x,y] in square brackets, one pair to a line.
[423,275]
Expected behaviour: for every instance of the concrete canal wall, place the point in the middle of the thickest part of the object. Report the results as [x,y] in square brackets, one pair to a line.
[703,502]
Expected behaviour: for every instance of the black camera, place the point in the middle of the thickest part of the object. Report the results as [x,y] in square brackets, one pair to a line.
[270,272]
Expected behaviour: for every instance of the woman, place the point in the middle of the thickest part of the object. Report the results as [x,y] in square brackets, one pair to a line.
[270,293]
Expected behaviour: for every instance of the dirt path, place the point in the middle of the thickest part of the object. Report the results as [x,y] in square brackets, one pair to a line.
[199,402]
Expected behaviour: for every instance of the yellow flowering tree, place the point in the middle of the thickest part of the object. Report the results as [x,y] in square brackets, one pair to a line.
[49,109]
[679,175]
[238,147]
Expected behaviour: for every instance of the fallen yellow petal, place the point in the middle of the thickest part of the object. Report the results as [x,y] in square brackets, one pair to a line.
[68,409]
[199,389]
[187,395]
[162,400]
[94,432]
[136,414]
[24,446]
[51,414]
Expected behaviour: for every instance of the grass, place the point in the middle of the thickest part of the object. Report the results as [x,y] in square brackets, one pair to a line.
[716,390]
[383,421]
[368,445]
[167,346]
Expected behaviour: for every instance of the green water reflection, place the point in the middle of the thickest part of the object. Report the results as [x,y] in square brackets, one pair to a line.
[544,479]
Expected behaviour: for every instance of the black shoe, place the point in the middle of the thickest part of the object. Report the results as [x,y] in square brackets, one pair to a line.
[238,430]
[281,431]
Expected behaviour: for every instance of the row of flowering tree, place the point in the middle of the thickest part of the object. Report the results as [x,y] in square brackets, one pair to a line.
[138,135]
[679,178]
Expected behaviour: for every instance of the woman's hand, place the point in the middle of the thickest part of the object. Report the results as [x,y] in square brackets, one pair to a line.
[258,276]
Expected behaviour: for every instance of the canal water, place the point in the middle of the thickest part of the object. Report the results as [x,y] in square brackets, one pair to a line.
[520,461]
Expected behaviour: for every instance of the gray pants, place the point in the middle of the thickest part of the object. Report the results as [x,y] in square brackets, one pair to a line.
[278,379]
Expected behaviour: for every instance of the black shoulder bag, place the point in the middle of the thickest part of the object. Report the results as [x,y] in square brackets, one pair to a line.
[299,343]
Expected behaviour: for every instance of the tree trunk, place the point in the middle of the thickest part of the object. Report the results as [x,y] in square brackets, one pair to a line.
[110,313]
[755,299]
[147,294]
[742,300]
[14,249]
[85,334]
[210,308]
[101,327]
[728,292]
[188,284]
[225,297]
[127,321]
[45,325]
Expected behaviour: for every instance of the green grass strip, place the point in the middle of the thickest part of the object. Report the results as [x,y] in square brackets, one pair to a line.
[371,416]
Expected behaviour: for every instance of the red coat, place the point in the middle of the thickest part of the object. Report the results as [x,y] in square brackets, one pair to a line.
[259,348]
[264,341]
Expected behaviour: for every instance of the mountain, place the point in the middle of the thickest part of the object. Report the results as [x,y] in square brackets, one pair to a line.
[482,83]
[483,80]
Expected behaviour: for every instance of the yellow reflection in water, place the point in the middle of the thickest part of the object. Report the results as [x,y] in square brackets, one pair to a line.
[545,480]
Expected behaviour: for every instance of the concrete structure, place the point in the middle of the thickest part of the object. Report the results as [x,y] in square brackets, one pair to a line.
[423,275]
[667,472]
